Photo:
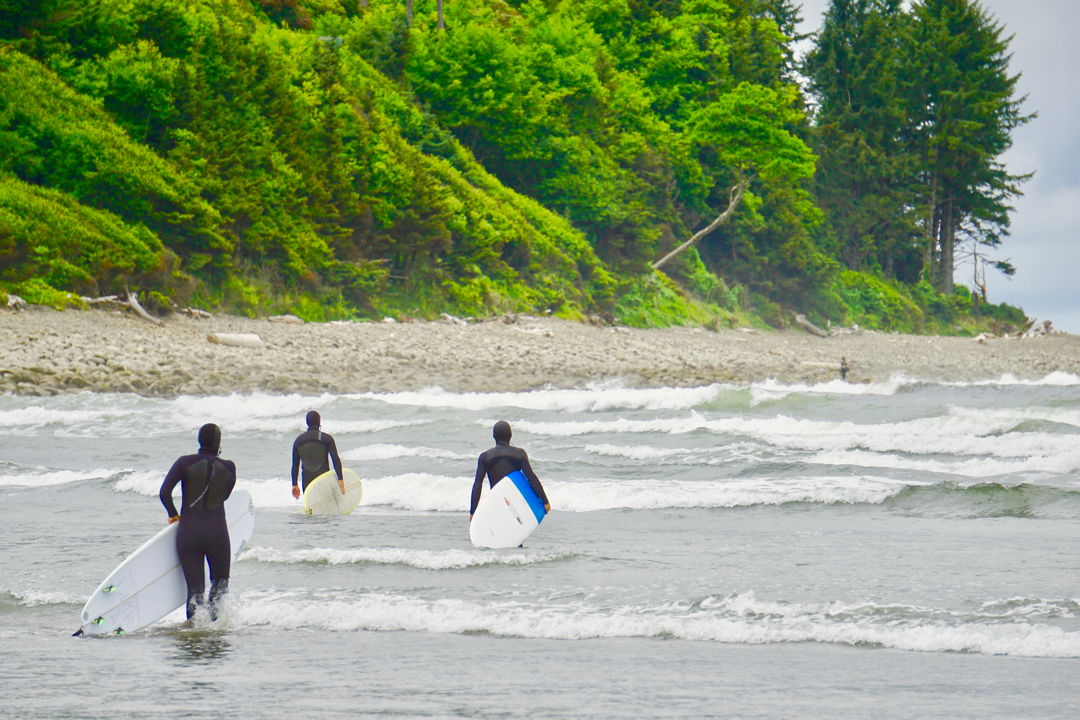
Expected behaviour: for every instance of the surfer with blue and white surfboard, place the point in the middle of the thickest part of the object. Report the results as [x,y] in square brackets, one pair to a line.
[513,509]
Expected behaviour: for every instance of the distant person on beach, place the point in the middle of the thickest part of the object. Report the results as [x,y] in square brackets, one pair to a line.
[500,461]
[203,536]
[843,369]
[314,450]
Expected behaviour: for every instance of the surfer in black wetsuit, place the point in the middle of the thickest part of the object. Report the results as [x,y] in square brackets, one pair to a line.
[314,450]
[500,461]
[203,536]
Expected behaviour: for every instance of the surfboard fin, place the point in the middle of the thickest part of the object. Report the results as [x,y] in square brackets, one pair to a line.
[77,633]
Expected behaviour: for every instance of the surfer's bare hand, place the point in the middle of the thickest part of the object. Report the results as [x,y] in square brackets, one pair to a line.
[547,508]
[173,519]
[470,518]
[296,492]
[341,484]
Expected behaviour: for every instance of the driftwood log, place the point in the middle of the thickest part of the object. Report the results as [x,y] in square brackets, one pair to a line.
[106,300]
[809,326]
[133,303]
[285,319]
[244,340]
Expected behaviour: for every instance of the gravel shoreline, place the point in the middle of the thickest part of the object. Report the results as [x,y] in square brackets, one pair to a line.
[45,352]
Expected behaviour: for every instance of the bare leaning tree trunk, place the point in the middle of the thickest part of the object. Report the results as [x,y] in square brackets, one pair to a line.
[735,196]
[408,13]
[438,5]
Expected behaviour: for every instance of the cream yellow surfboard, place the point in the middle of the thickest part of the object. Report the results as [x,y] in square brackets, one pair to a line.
[323,496]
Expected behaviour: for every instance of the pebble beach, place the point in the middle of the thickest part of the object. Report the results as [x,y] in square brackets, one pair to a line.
[48,352]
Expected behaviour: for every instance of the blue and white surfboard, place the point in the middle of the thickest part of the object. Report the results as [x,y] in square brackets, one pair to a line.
[506,514]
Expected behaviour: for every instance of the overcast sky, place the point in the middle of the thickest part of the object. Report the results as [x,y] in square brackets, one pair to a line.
[1045,241]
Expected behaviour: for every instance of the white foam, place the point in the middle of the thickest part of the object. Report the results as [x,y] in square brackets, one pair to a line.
[1058,378]
[1013,416]
[422,559]
[736,619]
[640,452]
[260,413]
[596,397]
[382,451]
[36,598]
[44,477]
[1064,463]
[440,493]
[27,420]
[419,492]
[772,389]
[265,493]
[955,433]
[658,494]
[143,482]
[90,415]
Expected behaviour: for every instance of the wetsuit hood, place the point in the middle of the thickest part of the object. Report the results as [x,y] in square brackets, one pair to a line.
[313,419]
[210,438]
[502,432]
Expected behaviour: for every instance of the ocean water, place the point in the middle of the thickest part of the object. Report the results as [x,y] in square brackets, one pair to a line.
[893,550]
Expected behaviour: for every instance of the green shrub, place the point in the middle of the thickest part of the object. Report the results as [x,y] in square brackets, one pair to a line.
[37,292]
[878,304]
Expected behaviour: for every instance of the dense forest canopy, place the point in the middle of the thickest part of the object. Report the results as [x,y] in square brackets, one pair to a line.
[349,158]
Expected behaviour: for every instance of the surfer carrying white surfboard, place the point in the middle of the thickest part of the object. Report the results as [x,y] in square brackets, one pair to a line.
[313,450]
[203,536]
[500,461]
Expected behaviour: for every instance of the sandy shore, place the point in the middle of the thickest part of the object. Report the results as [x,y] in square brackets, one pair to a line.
[45,352]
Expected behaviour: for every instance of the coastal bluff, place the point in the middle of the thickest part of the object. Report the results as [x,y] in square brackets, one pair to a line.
[45,352]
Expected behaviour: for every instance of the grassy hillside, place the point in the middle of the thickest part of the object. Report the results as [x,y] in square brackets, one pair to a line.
[324,157]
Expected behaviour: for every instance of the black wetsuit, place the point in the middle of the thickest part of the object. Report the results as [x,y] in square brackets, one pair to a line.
[497,463]
[206,481]
[314,450]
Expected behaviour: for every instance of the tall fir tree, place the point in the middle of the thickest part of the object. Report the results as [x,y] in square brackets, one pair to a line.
[962,111]
[865,178]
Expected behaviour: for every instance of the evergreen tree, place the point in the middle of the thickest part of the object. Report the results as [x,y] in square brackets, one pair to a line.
[962,110]
[865,178]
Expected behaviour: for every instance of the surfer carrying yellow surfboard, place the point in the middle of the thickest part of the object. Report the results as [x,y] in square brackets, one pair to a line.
[314,450]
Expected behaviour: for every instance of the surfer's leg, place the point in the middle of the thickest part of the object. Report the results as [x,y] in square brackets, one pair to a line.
[219,557]
[189,549]
[218,588]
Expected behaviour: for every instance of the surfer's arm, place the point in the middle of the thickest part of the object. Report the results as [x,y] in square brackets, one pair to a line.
[478,483]
[295,464]
[331,447]
[171,479]
[231,482]
[534,482]
[295,470]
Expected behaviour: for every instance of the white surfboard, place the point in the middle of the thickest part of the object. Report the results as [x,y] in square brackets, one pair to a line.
[507,514]
[323,496]
[150,584]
